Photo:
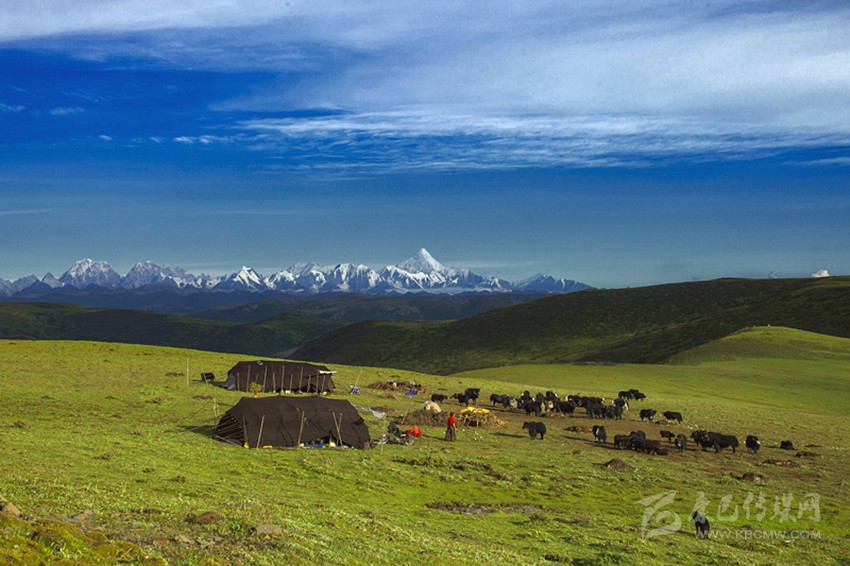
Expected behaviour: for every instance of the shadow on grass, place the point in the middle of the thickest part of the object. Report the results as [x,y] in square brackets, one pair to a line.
[507,435]
[203,430]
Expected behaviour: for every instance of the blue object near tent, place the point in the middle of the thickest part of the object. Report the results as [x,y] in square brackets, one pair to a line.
[412,392]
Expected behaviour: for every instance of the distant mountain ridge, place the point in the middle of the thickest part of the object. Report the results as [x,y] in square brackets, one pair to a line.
[420,273]
[637,325]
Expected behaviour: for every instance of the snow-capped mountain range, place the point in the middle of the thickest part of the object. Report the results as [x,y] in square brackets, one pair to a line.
[420,273]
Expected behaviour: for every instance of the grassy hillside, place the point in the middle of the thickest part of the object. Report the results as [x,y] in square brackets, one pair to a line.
[774,342]
[275,336]
[117,430]
[644,325]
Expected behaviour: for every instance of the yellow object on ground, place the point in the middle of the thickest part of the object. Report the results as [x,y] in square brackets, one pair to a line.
[475,410]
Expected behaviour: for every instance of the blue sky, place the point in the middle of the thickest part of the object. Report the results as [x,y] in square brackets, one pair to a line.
[619,145]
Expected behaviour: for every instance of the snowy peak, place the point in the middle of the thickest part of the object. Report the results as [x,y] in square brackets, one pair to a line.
[88,272]
[422,262]
[246,279]
[420,273]
[149,274]
[545,283]
[50,280]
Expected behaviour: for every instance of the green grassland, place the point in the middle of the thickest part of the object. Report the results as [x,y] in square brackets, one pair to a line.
[120,430]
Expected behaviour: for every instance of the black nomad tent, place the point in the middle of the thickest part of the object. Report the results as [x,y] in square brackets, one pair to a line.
[272,375]
[292,421]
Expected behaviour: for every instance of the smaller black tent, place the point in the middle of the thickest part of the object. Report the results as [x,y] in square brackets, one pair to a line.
[292,421]
[276,375]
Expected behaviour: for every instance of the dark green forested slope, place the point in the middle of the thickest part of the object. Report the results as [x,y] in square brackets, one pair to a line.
[643,325]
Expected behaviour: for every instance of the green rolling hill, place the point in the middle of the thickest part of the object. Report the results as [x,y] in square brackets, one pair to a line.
[642,325]
[773,342]
[51,321]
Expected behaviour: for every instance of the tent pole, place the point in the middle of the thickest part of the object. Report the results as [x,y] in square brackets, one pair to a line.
[338,433]
[300,430]
[260,436]
[265,375]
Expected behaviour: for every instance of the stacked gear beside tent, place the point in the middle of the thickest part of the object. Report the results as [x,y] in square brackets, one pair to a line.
[406,387]
[478,417]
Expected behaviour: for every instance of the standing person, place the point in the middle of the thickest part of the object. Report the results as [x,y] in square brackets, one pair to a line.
[451,429]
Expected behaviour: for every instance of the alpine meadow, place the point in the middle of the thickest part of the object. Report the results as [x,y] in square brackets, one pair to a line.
[444,283]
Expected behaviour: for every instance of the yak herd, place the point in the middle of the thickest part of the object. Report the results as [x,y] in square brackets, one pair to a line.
[543,404]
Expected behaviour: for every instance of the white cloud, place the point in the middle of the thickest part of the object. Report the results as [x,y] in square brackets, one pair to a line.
[203,140]
[67,111]
[12,109]
[552,83]
[104,137]
[820,273]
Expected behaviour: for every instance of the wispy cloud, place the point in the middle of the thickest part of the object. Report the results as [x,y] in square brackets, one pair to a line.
[27,211]
[67,111]
[828,162]
[479,85]
[11,108]
[423,139]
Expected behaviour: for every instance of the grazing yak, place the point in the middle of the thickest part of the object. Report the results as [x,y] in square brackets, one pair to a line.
[673,416]
[437,398]
[473,393]
[462,398]
[566,407]
[722,441]
[623,441]
[647,414]
[499,399]
[534,428]
[535,407]
[786,445]
[648,446]
[701,524]
[752,444]
[668,435]
[599,434]
[681,442]
[631,394]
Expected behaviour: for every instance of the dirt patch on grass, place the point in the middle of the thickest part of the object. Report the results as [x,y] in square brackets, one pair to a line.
[586,429]
[422,418]
[207,518]
[755,478]
[784,463]
[485,508]
[402,386]
[807,454]
[617,465]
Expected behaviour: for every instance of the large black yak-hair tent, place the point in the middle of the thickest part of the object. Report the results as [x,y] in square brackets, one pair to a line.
[272,375]
[293,421]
